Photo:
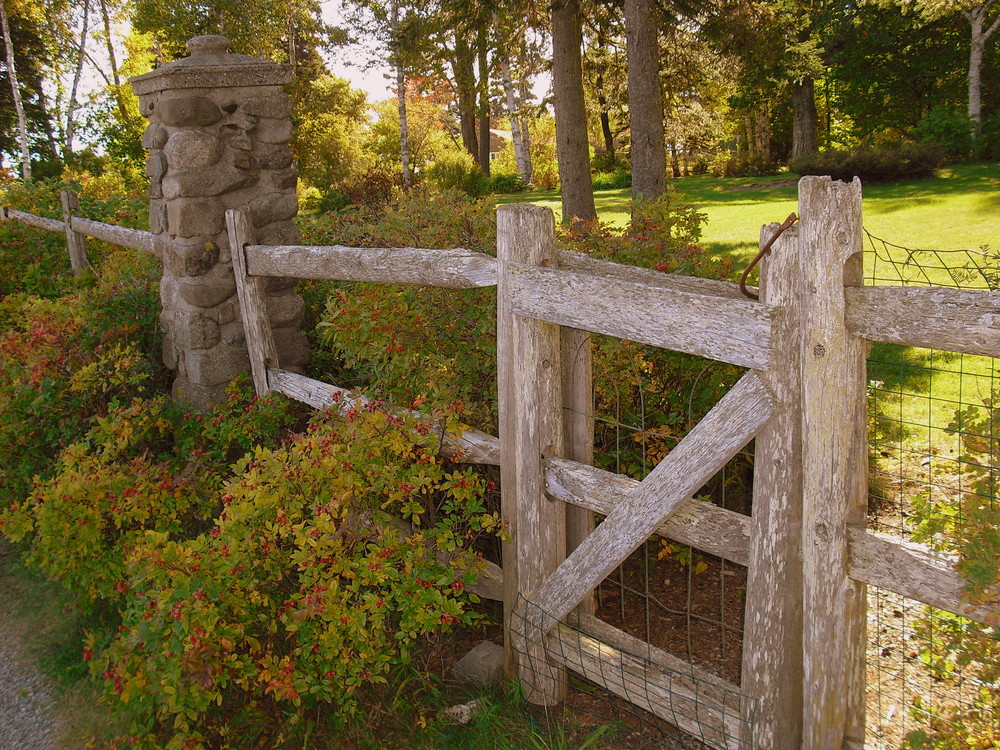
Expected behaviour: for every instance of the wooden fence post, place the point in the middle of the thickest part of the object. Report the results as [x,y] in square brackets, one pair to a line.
[75,242]
[772,635]
[529,382]
[253,302]
[834,464]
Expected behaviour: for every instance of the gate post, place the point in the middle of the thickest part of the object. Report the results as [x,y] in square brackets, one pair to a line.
[772,634]
[219,126]
[835,465]
[529,385]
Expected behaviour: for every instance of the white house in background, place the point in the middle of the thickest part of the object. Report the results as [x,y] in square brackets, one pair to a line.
[498,139]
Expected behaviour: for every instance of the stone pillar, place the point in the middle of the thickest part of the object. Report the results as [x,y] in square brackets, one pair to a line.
[219,126]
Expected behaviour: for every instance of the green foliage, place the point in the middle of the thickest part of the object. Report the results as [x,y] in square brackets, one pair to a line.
[329,118]
[458,171]
[947,130]
[616,180]
[317,579]
[506,182]
[988,146]
[730,164]
[872,164]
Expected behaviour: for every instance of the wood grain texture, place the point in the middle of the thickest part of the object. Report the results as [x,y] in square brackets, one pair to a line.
[41,222]
[471,446]
[720,328]
[578,429]
[581,263]
[726,429]
[914,571]
[772,638]
[454,269]
[707,527]
[135,239]
[75,242]
[253,302]
[953,320]
[834,464]
[529,374]
[674,690]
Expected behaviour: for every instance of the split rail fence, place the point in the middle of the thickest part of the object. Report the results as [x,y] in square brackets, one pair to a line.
[803,401]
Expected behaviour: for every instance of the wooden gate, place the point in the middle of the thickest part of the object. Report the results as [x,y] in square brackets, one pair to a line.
[803,399]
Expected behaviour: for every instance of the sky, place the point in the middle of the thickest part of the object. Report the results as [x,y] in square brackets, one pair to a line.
[349,62]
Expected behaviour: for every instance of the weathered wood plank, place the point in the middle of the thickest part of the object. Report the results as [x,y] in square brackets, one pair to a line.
[954,320]
[711,443]
[41,222]
[914,571]
[529,374]
[578,426]
[135,239]
[772,637]
[669,688]
[707,527]
[581,263]
[834,464]
[75,242]
[253,302]
[736,331]
[453,269]
[471,446]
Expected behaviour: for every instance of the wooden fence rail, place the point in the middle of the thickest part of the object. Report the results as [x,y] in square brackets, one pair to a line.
[808,552]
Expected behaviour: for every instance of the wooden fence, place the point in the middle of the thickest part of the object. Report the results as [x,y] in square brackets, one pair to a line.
[803,400]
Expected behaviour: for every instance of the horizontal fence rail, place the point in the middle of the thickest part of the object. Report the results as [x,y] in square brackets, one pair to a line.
[134,239]
[726,329]
[954,320]
[450,269]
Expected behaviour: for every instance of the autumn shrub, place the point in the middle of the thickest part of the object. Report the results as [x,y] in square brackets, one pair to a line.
[333,557]
[145,465]
[439,346]
[67,359]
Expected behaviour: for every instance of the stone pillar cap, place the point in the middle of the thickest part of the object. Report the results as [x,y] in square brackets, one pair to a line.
[211,65]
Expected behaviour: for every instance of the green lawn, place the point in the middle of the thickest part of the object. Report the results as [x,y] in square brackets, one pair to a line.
[957,209]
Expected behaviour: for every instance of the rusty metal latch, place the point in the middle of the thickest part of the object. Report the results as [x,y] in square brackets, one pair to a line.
[792,218]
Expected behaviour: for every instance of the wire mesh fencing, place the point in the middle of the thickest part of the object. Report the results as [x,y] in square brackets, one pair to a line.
[933,677]
[641,696]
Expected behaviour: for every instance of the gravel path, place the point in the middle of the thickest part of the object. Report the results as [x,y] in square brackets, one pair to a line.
[27,707]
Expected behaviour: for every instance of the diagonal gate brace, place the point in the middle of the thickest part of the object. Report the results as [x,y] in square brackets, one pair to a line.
[724,431]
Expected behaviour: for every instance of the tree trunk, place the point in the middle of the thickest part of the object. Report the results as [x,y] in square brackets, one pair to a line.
[72,104]
[22,124]
[404,134]
[977,19]
[762,133]
[803,117]
[484,102]
[645,101]
[115,78]
[521,156]
[602,103]
[572,147]
[525,125]
[465,83]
